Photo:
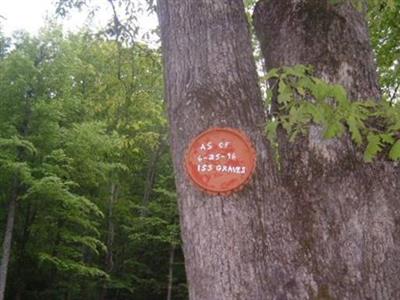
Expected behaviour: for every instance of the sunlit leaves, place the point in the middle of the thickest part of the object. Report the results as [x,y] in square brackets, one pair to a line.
[78,115]
[383,19]
[71,267]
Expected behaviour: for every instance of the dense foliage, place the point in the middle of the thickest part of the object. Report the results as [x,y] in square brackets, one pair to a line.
[384,24]
[83,144]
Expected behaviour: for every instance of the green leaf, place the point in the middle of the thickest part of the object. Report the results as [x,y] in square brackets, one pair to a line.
[373,148]
[395,126]
[285,94]
[339,93]
[72,267]
[17,142]
[305,99]
[270,130]
[394,153]
[268,100]
[317,114]
[305,83]
[333,129]
[320,89]
[273,73]
[387,138]
[354,130]
[296,71]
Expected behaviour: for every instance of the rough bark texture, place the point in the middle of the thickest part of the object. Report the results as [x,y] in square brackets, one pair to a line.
[327,226]
[211,81]
[346,212]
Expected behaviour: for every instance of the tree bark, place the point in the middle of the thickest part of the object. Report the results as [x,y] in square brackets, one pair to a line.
[7,243]
[211,80]
[345,212]
[324,227]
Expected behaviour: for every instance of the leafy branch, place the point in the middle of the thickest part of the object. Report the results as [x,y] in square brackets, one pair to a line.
[303,100]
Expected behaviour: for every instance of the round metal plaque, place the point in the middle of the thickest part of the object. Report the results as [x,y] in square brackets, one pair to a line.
[220,160]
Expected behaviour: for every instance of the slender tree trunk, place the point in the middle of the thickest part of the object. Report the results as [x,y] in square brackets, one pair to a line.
[109,262]
[111,229]
[324,227]
[150,176]
[7,243]
[15,191]
[21,243]
[171,272]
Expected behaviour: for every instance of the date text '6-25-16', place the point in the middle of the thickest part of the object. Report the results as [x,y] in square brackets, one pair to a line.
[220,160]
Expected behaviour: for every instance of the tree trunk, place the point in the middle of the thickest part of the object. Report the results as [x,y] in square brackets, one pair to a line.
[211,80]
[15,191]
[346,212]
[7,243]
[111,229]
[151,175]
[346,215]
[324,227]
[21,253]
[170,272]
[109,262]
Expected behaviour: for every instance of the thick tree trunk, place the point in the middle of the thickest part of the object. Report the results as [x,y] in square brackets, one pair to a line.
[211,80]
[346,213]
[327,225]
[7,243]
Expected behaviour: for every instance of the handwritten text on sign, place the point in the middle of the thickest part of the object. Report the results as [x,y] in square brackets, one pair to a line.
[220,160]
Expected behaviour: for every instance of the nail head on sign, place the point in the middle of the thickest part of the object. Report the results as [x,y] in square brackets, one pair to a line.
[220,160]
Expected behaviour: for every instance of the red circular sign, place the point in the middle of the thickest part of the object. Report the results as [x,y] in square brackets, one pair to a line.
[220,160]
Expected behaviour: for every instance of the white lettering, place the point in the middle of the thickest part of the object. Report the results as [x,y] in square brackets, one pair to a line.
[229,169]
[207,146]
[232,156]
[223,145]
[204,168]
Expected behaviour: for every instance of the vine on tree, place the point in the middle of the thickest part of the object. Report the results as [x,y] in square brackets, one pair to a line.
[303,100]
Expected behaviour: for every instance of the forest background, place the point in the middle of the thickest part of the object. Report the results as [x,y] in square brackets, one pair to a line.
[87,189]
